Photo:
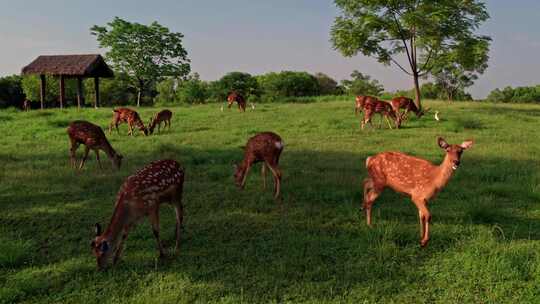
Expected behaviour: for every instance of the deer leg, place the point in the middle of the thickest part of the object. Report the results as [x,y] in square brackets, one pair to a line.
[388,121]
[97,158]
[370,195]
[72,156]
[130,132]
[159,127]
[179,212]
[263,172]
[425,217]
[245,175]
[86,151]
[277,179]
[154,220]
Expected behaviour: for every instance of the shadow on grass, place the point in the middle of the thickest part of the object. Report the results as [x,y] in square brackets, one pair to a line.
[243,243]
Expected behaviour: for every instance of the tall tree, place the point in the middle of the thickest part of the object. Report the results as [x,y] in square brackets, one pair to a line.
[421,30]
[361,84]
[147,53]
[459,68]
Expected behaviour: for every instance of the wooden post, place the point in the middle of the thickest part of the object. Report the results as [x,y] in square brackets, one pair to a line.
[42,90]
[62,91]
[96,87]
[80,97]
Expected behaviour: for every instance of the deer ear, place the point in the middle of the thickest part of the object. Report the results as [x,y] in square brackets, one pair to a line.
[467,144]
[442,143]
[98,229]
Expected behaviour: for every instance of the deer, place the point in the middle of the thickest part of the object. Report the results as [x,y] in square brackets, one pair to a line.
[129,116]
[361,101]
[417,178]
[163,116]
[408,104]
[139,196]
[383,108]
[93,137]
[234,96]
[26,106]
[264,147]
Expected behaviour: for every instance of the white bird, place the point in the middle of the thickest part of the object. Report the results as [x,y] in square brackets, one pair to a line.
[252,106]
[222,108]
[437,116]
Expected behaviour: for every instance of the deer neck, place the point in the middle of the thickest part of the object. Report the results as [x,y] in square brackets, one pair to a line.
[444,172]
[118,222]
[109,150]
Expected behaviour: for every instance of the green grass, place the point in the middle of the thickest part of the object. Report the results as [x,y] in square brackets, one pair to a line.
[241,247]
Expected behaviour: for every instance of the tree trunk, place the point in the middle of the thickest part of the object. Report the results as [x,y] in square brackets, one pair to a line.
[96,88]
[42,90]
[62,91]
[416,90]
[140,93]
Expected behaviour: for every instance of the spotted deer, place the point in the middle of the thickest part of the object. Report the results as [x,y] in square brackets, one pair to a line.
[384,109]
[234,96]
[361,101]
[93,138]
[163,116]
[264,147]
[141,195]
[415,177]
[408,105]
[129,116]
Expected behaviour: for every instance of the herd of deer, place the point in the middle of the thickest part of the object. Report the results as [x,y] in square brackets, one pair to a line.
[162,181]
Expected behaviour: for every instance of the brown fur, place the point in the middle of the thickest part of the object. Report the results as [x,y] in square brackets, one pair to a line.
[401,102]
[361,101]
[384,109]
[412,176]
[141,195]
[129,116]
[92,136]
[26,106]
[264,147]
[163,116]
[240,100]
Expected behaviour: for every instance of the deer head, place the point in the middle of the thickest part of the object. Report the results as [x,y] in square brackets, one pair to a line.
[101,248]
[454,152]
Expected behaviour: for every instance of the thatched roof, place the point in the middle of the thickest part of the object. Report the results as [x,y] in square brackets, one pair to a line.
[69,65]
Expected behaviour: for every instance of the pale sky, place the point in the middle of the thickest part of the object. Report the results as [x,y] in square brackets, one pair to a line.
[255,36]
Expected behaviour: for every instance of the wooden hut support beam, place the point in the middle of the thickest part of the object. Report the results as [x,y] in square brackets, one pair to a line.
[96,88]
[80,97]
[42,91]
[62,91]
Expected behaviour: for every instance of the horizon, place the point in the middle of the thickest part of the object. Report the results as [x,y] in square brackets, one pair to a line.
[235,36]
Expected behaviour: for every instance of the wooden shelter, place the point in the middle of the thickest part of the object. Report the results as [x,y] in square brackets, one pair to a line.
[70,66]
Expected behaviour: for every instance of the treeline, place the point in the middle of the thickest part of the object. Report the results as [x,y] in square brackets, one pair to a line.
[518,94]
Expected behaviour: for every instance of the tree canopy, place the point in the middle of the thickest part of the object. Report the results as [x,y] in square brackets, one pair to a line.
[423,31]
[361,84]
[147,53]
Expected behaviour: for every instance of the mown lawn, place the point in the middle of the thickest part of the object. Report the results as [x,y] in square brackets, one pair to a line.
[242,246]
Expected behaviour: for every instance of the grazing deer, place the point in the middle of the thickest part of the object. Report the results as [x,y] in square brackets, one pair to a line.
[361,102]
[384,109]
[141,195]
[234,96]
[163,116]
[417,178]
[129,116]
[408,104]
[264,147]
[92,136]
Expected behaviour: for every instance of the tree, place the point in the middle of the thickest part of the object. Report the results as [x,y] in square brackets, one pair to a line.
[361,84]
[288,84]
[11,92]
[422,30]
[460,67]
[240,82]
[147,53]
[327,85]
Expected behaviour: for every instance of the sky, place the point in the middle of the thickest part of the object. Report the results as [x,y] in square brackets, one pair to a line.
[255,36]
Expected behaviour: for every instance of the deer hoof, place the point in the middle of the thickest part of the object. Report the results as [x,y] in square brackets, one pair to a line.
[423,243]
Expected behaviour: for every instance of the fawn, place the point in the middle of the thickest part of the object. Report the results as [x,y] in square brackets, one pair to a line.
[415,177]
[408,104]
[130,117]
[163,116]
[234,96]
[383,108]
[93,137]
[361,101]
[264,147]
[141,195]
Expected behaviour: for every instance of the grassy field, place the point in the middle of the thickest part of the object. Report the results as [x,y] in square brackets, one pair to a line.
[241,246]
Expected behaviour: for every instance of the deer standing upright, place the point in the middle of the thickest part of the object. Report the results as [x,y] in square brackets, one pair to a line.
[93,137]
[163,116]
[240,100]
[384,109]
[129,116]
[264,147]
[141,195]
[417,178]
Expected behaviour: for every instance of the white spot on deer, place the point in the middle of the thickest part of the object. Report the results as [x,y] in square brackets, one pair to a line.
[279,144]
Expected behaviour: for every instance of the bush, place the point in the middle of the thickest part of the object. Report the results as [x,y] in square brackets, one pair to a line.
[518,94]
[11,91]
[287,84]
